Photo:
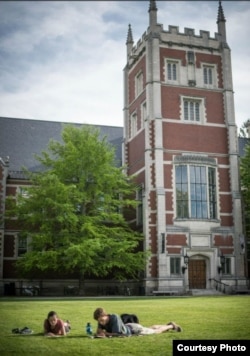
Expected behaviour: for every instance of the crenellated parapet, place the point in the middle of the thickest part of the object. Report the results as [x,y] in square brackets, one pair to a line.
[173,37]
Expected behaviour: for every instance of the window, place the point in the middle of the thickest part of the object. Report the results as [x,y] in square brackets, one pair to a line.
[207,75]
[133,125]
[192,110]
[172,73]
[175,265]
[143,114]
[139,83]
[22,245]
[139,206]
[226,267]
[23,192]
[195,192]
[172,67]
[190,55]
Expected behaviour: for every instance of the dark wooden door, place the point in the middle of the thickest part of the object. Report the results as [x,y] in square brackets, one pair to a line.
[197,274]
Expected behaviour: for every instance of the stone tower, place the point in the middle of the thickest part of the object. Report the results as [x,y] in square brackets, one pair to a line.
[180,140]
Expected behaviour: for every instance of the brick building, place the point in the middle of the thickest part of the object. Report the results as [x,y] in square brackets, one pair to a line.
[180,139]
[20,140]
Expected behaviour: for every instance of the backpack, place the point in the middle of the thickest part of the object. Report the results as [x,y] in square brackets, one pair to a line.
[129,318]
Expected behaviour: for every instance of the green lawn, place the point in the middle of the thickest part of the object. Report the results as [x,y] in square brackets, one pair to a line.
[213,317]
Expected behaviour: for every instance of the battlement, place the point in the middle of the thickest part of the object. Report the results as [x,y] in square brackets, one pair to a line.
[173,37]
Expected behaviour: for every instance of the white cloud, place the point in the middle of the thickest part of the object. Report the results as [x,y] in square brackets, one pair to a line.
[64,60]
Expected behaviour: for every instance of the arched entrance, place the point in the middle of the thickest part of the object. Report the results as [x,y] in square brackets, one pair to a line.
[197,273]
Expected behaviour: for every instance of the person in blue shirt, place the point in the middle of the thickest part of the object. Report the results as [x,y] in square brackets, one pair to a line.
[112,325]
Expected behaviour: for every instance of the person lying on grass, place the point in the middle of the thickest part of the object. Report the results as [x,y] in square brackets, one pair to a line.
[112,325]
[53,326]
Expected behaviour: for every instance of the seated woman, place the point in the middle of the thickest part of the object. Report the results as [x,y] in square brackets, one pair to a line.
[53,326]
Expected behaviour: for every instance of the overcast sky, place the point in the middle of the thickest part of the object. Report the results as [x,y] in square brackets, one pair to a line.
[64,60]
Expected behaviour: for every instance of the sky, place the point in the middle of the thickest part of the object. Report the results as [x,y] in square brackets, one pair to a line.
[63,60]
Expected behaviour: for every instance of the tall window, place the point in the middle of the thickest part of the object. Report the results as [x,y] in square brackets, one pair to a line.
[133,125]
[139,83]
[175,265]
[190,55]
[208,75]
[22,245]
[226,267]
[195,192]
[171,70]
[143,113]
[192,110]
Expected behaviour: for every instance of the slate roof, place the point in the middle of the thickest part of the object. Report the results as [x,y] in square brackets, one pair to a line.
[20,139]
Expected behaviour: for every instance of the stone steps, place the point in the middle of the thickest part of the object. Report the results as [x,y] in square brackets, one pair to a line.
[205,292]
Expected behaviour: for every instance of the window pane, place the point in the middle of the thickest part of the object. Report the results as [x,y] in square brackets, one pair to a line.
[193,209]
[205,74]
[169,71]
[185,110]
[191,106]
[22,245]
[198,189]
[192,191]
[174,72]
[203,192]
[204,210]
[203,175]
[197,112]
[210,78]
[192,174]
[175,263]
[184,174]
[226,268]
[198,210]
[197,174]
[212,193]
[178,174]
[181,191]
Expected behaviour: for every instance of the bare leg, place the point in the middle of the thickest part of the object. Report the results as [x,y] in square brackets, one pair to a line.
[163,328]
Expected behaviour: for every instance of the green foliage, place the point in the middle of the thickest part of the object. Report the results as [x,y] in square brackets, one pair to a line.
[245,176]
[202,318]
[72,212]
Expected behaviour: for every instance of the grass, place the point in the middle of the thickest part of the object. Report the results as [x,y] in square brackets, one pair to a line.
[213,317]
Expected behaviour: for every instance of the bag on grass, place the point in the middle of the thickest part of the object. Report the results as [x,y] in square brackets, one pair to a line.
[129,318]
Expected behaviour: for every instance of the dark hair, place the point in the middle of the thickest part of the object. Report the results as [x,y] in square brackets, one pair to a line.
[51,313]
[99,312]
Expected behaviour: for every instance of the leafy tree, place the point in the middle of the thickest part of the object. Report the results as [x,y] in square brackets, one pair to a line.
[72,212]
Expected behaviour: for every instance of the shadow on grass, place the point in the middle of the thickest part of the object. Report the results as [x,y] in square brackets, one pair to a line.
[51,337]
[26,335]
